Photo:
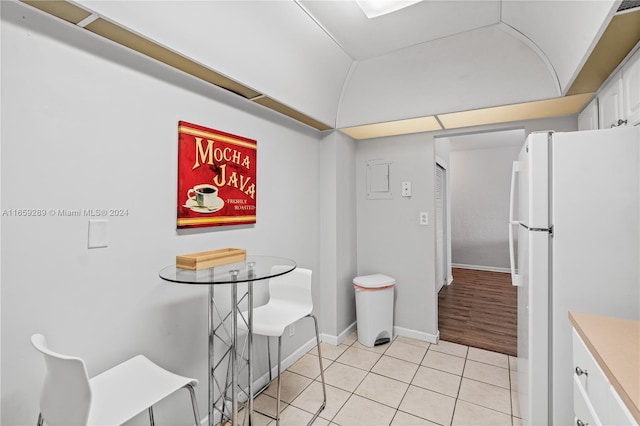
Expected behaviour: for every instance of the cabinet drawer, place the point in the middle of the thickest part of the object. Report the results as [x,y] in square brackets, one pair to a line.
[593,381]
[619,415]
[583,410]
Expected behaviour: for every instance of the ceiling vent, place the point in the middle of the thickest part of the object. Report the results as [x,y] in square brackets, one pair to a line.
[628,4]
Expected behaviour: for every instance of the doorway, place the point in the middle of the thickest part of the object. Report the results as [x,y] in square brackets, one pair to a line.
[478,308]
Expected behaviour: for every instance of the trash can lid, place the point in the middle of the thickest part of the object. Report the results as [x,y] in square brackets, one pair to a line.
[374,281]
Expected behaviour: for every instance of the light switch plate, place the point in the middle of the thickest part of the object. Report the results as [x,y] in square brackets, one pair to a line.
[406,189]
[98,235]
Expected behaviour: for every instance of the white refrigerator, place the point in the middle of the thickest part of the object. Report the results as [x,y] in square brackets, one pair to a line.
[574,244]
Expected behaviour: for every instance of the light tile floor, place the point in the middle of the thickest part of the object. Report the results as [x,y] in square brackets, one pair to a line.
[403,383]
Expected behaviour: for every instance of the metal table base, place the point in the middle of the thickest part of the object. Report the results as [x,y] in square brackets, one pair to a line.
[231,376]
[236,353]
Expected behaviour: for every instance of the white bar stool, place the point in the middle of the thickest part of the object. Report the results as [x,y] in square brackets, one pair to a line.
[69,397]
[289,301]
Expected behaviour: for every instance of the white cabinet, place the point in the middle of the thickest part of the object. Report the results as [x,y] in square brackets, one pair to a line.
[619,100]
[595,401]
[588,118]
[610,105]
[631,90]
[618,413]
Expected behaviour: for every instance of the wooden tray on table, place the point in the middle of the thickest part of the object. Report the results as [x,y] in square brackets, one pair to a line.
[210,259]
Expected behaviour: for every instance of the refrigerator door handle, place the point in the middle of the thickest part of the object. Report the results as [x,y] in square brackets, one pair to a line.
[515,278]
[515,169]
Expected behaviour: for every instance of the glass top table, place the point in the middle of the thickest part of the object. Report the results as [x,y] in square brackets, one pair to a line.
[254,268]
[234,355]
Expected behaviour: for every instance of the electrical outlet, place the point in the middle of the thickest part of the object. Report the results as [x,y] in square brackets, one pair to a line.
[424,218]
[292,330]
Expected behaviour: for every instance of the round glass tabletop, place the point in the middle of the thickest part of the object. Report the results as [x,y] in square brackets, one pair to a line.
[254,268]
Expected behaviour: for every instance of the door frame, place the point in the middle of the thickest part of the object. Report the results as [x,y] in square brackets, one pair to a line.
[448,273]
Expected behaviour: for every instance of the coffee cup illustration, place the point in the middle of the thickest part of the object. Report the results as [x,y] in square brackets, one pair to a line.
[204,195]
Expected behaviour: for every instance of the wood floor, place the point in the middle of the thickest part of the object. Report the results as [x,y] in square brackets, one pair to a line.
[479,309]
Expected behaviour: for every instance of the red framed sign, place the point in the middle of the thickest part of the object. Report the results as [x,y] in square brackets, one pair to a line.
[216,177]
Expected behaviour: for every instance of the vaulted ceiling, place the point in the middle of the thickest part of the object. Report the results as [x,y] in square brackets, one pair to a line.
[326,64]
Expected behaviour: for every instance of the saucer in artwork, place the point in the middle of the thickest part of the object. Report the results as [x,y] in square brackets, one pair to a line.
[217,205]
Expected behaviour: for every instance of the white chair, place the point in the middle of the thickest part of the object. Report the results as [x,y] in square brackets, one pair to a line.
[289,301]
[70,398]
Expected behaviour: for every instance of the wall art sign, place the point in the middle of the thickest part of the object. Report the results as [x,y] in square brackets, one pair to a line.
[216,177]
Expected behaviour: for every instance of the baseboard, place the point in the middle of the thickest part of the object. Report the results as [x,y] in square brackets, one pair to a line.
[418,335]
[481,268]
[397,331]
[337,340]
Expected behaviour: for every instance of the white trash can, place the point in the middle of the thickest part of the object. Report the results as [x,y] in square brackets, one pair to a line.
[374,308]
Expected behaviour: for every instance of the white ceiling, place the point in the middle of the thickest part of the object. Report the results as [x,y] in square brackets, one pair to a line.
[326,60]
[456,55]
[362,38]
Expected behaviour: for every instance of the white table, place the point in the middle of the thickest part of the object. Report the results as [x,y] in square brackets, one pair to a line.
[223,328]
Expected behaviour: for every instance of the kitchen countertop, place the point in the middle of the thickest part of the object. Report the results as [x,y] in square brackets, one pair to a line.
[615,344]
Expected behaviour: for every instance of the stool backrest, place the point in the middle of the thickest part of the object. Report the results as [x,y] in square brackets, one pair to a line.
[66,394]
[294,287]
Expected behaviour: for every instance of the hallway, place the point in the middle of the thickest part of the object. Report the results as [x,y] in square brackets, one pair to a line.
[479,309]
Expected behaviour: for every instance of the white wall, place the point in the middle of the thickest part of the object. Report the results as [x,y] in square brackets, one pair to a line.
[89,124]
[346,252]
[327,181]
[338,235]
[480,183]
[390,239]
